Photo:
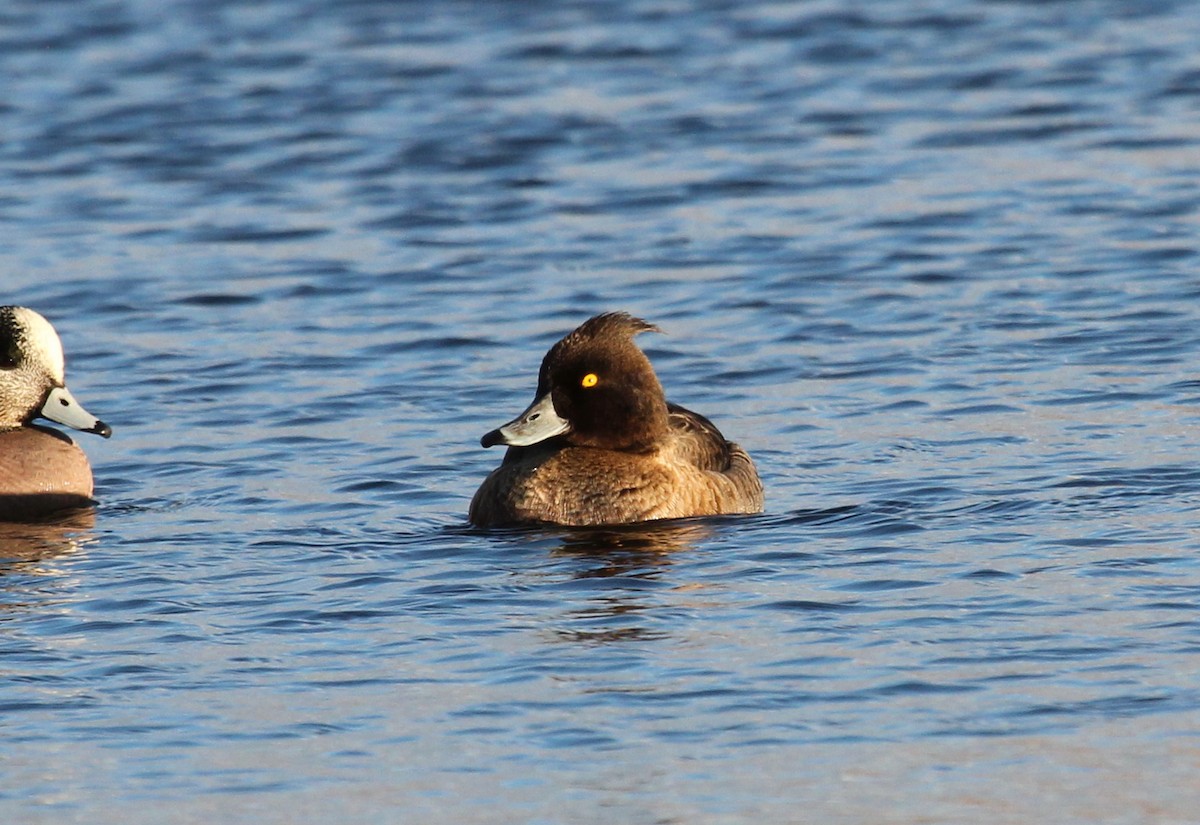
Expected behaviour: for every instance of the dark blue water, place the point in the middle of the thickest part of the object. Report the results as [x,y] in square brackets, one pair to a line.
[933,264]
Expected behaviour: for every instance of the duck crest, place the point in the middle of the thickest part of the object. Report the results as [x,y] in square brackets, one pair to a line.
[607,333]
[609,323]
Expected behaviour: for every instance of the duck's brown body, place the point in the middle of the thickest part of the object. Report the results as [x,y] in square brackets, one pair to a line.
[41,471]
[617,452]
[582,486]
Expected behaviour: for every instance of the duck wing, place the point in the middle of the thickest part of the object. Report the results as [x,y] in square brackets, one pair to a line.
[697,440]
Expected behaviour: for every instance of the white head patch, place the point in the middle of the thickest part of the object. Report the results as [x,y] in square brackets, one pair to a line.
[39,343]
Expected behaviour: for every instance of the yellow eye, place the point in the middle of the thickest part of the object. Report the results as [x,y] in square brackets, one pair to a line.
[590,380]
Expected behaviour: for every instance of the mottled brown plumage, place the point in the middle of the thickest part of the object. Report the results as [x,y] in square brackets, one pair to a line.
[601,444]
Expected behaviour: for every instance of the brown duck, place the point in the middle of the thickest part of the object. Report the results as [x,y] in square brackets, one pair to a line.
[600,444]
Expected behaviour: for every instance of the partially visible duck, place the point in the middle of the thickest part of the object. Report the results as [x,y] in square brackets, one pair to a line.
[600,444]
[41,469]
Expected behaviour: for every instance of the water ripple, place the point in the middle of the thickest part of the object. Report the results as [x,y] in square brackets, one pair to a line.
[932,266]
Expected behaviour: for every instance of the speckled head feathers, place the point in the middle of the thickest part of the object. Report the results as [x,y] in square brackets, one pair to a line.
[28,341]
[31,375]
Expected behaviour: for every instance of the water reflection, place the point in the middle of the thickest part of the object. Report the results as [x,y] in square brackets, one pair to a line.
[627,568]
[25,546]
[624,549]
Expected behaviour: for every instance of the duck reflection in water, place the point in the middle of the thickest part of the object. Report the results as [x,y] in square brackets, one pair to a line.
[34,543]
[625,548]
[630,567]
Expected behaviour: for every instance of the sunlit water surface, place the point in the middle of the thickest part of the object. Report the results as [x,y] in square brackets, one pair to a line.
[934,264]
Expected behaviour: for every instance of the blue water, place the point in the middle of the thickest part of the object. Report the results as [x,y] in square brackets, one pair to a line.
[934,264]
